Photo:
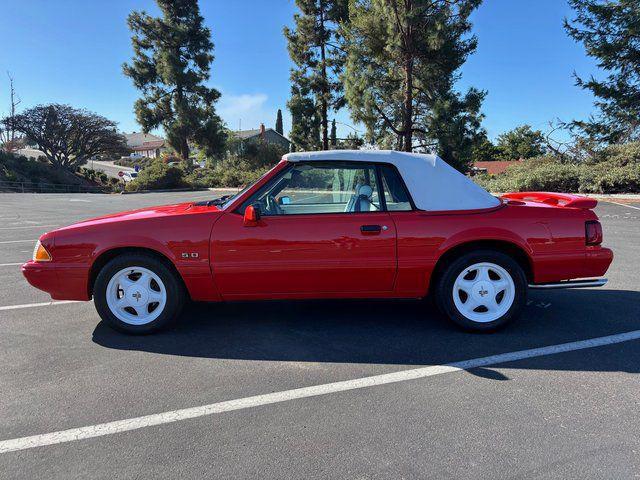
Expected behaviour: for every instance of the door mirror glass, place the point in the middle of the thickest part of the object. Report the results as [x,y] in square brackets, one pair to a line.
[285,200]
[251,215]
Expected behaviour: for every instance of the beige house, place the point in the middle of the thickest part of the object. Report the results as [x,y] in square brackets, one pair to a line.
[145,144]
[267,135]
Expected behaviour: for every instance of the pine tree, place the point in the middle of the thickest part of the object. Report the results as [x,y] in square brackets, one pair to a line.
[305,121]
[401,68]
[171,64]
[454,127]
[609,31]
[334,134]
[279,127]
[316,50]
[521,142]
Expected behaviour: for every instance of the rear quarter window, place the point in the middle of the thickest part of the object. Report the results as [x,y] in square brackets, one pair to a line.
[395,193]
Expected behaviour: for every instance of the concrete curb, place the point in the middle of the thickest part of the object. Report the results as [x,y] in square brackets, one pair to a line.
[166,190]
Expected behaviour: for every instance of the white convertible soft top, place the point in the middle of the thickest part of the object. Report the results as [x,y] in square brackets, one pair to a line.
[433,184]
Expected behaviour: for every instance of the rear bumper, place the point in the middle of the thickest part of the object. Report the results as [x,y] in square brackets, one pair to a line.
[591,263]
[597,261]
[595,264]
[62,283]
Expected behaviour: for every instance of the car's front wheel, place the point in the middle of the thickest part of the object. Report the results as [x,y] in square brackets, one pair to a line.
[482,290]
[138,293]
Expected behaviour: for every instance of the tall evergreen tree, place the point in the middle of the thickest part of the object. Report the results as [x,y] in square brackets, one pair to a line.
[334,134]
[316,50]
[403,62]
[279,127]
[454,127]
[521,142]
[610,33]
[305,121]
[171,64]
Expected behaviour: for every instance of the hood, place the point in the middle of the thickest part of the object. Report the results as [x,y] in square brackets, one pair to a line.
[188,208]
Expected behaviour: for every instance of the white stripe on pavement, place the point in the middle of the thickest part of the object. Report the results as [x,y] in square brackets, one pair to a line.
[31,305]
[27,226]
[20,241]
[129,424]
[10,264]
[623,205]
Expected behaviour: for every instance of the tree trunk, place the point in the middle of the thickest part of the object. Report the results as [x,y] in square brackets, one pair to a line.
[183,148]
[407,121]
[323,101]
[183,145]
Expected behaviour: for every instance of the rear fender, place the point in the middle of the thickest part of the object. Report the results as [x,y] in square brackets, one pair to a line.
[487,234]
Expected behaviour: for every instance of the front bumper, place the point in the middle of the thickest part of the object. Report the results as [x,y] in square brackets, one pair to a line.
[62,283]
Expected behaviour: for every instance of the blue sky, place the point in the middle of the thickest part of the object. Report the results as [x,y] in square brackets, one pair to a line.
[71,51]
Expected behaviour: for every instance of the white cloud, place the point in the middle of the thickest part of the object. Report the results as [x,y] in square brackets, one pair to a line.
[250,109]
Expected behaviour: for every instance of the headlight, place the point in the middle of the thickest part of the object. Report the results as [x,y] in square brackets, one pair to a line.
[40,253]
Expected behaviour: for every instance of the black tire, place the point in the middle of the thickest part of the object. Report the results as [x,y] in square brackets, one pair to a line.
[444,289]
[176,295]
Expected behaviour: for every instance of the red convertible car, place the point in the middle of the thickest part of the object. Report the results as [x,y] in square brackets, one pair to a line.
[335,224]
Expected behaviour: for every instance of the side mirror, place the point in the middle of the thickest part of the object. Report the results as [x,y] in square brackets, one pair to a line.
[251,216]
[284,200]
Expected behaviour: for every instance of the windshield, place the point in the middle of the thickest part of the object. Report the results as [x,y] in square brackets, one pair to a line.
[227,199]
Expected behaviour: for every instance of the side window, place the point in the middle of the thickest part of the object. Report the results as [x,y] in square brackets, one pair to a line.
[395,194]
[314,187]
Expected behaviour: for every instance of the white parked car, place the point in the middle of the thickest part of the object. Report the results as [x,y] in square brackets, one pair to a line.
[128,176]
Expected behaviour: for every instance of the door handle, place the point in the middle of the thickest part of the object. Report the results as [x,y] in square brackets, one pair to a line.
[371,228]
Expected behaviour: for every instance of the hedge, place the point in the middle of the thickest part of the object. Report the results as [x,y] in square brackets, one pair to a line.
[615,169]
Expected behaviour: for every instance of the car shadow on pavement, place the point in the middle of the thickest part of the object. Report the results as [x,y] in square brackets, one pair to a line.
[406,332]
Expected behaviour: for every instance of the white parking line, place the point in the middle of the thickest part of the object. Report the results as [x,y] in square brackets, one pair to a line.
[19,241]
[10,264]
[27,226]
[31,305]
[128,424]
[623,205]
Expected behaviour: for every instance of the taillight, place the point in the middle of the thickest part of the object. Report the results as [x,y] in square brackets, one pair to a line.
[593,232]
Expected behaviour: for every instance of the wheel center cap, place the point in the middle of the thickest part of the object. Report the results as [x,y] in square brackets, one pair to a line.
[138,296]
[483,290]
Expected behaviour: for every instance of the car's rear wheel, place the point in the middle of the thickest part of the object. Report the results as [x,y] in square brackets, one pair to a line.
[482,290]
[138,293]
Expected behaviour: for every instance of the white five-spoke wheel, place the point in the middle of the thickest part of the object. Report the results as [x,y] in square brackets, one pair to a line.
[138,293]
[481,290]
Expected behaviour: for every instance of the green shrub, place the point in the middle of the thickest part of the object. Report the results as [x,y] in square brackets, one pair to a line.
[611,177]
[226,173]
[615,169]
[158,176]
[16,168]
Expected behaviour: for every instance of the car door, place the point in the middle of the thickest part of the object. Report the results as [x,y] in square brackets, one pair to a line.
[322,232]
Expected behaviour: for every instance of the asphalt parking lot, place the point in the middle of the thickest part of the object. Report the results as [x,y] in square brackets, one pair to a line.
[552,413]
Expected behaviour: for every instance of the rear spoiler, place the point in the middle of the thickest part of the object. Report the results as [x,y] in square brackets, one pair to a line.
[565,200]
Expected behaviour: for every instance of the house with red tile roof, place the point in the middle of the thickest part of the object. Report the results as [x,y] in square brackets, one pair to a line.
[492,168]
